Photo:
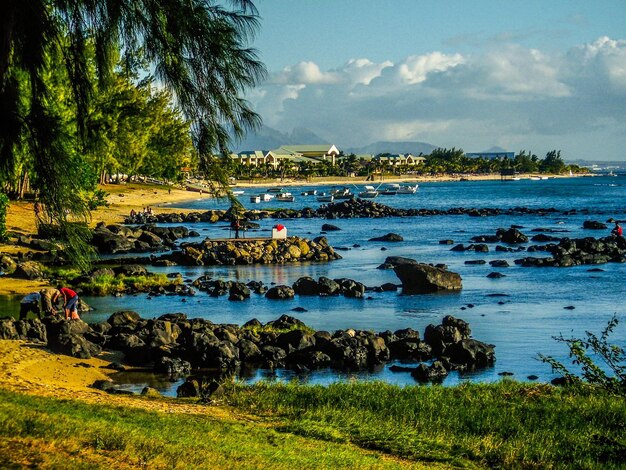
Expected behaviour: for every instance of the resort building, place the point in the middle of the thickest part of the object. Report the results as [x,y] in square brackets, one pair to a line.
[399,159]
[492,155]
[293,153]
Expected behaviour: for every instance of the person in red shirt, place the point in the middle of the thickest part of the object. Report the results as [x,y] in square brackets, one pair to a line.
[70,303]
[617,230]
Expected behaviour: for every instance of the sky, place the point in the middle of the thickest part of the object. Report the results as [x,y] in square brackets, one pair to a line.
[533,75]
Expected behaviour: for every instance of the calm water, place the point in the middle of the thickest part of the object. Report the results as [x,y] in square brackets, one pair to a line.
[519,313]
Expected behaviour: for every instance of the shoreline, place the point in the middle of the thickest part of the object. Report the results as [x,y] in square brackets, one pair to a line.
[122,198]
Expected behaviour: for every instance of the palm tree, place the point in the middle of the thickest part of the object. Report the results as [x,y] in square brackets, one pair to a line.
[197,49]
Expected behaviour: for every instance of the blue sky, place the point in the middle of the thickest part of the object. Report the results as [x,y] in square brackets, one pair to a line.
[527,74]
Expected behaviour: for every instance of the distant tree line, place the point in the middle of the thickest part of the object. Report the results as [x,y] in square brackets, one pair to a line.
[440,161]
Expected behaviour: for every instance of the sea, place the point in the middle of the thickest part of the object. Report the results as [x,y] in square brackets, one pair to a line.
[521,313]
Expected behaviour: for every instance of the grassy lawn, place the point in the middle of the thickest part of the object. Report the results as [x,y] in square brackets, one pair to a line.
[353,425]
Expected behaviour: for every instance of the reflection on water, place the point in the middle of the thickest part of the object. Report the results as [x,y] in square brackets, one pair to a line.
[135,381]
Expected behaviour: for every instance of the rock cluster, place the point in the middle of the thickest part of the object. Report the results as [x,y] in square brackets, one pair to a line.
[176,345]
[112,239]
[263,251]
[578,251]
[325,286]
[351,208]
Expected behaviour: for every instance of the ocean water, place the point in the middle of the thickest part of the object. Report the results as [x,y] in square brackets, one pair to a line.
[520,313]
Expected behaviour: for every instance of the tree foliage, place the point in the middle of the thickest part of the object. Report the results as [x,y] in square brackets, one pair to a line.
[197,50]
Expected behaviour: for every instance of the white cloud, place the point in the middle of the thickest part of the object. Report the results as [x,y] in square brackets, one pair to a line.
[510,96]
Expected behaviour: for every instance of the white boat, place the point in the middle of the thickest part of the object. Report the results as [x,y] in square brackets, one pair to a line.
[323,197]
[544,177]
[238,192]
[266,197]
[370,192]
[408,189]
[255,199]
[390,190]
[285,197]
[275,190]
[343,193]
[534,178]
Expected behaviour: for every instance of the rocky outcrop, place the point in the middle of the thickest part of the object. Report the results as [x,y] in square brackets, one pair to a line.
[264,251]
[579,251]
[423,278]
[112,239]
[175,345]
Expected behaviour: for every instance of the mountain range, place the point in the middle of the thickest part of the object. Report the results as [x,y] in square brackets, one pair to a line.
[267,138]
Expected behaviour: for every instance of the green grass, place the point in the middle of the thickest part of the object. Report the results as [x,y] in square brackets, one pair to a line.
[349,425]
[41,432]
[106,284]
[506,424]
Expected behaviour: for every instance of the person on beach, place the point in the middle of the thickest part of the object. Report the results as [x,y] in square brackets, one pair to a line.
[70,303]
[38,210]
[49,300]
[617,230]
[30,303]
[236,226]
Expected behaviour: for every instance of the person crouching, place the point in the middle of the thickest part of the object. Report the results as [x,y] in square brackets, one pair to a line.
[30,303]
[70,303]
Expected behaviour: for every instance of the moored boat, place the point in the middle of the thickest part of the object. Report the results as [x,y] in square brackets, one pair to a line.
[275,190]
[312,192]
[370,192]
[408,189]
[255,199]
[285,197]
[343,193]
[323,197]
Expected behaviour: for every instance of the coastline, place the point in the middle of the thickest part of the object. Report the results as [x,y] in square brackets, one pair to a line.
[122,198]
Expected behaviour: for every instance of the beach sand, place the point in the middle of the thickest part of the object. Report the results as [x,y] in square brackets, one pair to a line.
[33,369]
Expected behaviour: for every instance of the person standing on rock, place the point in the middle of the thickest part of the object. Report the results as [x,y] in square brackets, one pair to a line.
[617,230]
[70,303]
[30,303]
[49,300]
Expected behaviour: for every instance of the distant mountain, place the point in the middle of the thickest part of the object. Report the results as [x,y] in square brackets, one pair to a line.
[393,147]
[267,138]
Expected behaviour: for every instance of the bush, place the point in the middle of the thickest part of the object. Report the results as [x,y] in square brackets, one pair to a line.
[4,204]
[596,358]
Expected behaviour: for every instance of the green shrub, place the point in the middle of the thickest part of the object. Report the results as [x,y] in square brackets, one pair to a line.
[4,204]
[594,355]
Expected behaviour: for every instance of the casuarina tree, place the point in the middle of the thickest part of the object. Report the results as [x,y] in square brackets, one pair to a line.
[197,49]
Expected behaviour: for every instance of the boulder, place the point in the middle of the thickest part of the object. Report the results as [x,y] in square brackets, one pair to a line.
[423,278]
[28,270]
[434,372]
[511,236]
[471,353]
[328,287]
[329,228]
[306,286]
[594,225]
[280,293]
[390,237]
